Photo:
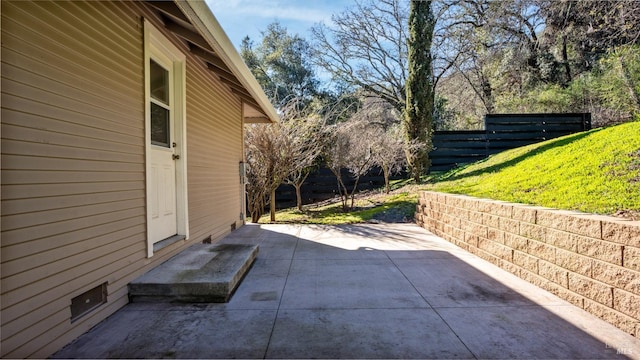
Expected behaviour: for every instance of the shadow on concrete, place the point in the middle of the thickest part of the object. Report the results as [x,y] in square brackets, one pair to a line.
[360,291]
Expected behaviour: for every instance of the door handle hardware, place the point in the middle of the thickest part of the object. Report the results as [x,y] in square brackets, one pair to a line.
[175,157]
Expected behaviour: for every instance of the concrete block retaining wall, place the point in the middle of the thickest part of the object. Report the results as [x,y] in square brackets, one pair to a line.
[589,260]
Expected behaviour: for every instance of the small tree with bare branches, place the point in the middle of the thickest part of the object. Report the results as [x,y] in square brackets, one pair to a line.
[268,156]
[306,137]
[281,153]
[389,152]
[386,137]
[350,147]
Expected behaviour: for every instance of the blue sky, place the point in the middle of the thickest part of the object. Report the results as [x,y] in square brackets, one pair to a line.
[249,17]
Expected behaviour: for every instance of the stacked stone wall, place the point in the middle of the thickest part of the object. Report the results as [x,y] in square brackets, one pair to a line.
[592,261]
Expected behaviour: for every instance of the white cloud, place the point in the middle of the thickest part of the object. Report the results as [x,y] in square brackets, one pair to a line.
[221,5]
[281,10]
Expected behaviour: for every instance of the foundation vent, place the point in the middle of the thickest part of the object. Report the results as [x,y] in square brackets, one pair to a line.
[88,301]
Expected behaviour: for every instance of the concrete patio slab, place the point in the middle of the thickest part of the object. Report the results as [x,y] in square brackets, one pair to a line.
[263,289]
[364,334]
[155,331]
[348,284]
[505,337]
[361,291]
[445,281]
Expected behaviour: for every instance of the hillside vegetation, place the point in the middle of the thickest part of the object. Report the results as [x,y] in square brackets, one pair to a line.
[345,96]
[596,172]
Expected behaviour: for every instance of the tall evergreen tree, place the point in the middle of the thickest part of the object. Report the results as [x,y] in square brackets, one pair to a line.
[281,64]
[418,117]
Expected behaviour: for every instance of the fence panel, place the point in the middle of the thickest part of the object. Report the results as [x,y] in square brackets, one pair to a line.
[322,185]
[502,132]
[457,147]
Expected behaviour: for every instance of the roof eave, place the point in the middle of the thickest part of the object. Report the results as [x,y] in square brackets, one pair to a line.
[209,28]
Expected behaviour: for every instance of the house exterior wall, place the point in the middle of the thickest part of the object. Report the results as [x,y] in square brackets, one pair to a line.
[215,149]
[73,172]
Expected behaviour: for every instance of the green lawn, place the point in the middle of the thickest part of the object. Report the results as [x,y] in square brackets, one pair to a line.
[596,172]
[380,206]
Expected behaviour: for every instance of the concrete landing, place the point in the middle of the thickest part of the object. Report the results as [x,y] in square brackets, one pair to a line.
[203,273]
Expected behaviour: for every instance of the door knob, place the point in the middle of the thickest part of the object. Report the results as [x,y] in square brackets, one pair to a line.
[175,157]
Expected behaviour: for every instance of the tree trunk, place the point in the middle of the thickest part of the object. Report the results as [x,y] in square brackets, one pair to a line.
[385,172]
[255,217]
[344,195]
[298,196]
[487,94]
[353,191]
[565,60]
[272,205]
[256,210]
[342,189]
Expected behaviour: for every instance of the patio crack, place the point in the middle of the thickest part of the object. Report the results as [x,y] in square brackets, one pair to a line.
[431,306]
[275,320]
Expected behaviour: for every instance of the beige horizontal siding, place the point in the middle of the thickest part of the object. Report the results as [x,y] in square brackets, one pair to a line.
[42,335]
[214,150]
[67,40]
[25,191]
[40,260]
[67,119]
[82,276]
[73,182]
[104,100]
[26,141]
[73,207]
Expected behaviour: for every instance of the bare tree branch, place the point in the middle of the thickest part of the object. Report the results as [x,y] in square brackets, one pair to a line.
[366,47]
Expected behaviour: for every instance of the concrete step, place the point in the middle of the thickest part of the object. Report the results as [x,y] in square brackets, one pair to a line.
[201,273]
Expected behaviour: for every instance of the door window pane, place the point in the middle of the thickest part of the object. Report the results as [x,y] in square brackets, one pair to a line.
[160,128]
[159,82]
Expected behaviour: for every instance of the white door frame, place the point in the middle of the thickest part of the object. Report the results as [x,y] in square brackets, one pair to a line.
[156,45]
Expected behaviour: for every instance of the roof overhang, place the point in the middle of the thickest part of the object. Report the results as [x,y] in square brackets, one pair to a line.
[193,22]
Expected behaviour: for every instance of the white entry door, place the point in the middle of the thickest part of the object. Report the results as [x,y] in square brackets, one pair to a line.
[162,155]
[165,141]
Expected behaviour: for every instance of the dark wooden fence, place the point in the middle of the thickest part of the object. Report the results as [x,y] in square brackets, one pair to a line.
[322,185]
[502,132]
[452,148]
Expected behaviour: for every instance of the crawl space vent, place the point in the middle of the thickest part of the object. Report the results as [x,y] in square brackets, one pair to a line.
[88,301]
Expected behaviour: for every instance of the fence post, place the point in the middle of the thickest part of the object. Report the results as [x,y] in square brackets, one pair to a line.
[586,121]
[487,145]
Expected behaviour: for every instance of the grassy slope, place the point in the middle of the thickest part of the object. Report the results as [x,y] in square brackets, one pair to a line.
[597,171]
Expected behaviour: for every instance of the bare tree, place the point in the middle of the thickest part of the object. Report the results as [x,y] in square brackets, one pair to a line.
[493,45]
[268,158]
[281,153]
[307,138]
[350,147]
[389,152]
[386,138]
[366,48]
[256,186]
